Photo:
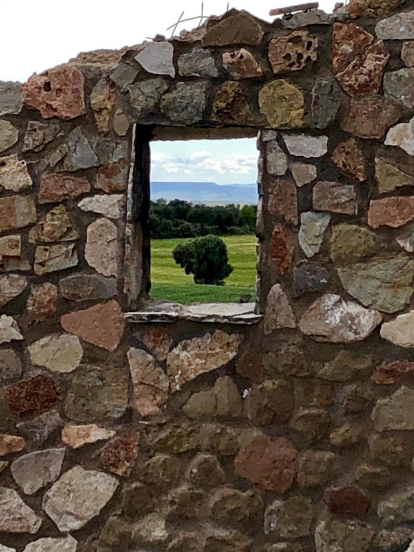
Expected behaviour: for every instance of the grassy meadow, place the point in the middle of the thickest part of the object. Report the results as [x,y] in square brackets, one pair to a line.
[169,281]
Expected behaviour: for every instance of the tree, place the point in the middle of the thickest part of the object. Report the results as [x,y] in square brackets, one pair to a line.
[206,258]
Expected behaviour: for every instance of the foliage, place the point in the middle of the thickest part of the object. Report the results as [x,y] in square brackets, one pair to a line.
[206,258]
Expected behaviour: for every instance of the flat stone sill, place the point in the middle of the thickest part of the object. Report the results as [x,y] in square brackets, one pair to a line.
[216,313]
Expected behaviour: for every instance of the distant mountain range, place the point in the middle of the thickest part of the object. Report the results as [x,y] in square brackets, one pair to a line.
[205,192]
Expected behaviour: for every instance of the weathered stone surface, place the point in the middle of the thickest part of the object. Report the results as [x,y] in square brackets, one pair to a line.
[312,423]
[13,174]
[52,258]
[326,100]
[54,226]
[241,64]
[363,76]
[9,135]
[346,366]
[349,159]
[394,450]
[78,436]
[124,74]
[293,52]
[102,325]
[303,145]
[346,501]
[9,330]
[157,58]
[303,173]
[276,159]
[279,313]
[397,508]
[10,246]
[38,135]
[407,53]
[229,505]
[283,199]
[389,373]
[15,515]
[237,28]
[10,98]
[11,286]
[59,353]
[145,96]
[77,497]
[39,429]
[282,104]
[42,303]
[87,287]
[35,394]
[289,519]
[332,319]
[10,366]
[315,468]
[97,393]
[232,105]
[309,278]
[397,27]
[222,400]
[273,401]
[101,250]
[197,63]
[111,206]
[194,357]
[102,99]
[390,177]
[185,104]
[10,444]
[56,93]
[402,136]
[185,502]
[163,470]
[158,342]
[16,212]
[80,154]
[280,249]
[227,541]
[112,177]
[151,529]
[373,477]
[391,211]
[36,470]
[312,231]
[395,412]
[56,187]
[335,197]
[343,536]
[68,544]
[371,117]
[398,86]
[119,456]
[348,41]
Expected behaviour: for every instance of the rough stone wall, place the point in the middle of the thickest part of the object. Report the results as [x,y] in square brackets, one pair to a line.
[292,435]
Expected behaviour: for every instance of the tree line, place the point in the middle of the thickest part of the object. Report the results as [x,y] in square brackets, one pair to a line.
[182,219]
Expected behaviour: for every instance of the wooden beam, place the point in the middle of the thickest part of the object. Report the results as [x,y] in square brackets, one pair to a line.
[292,9]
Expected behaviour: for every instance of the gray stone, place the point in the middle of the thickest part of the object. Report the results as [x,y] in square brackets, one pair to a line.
[390,177]
[276,159]
[111,206]
[398,85]
[343,536]
[312,231]
[346,367]
[197,63]
[303,145]
[400,331]
[39,429]
[77,497]
[397,507]
[351,243]
[10,98]
[303,173]
[395,412]
[397,27]
[80,154]
[13,174]
[11,286]
[402,136]
[289,519]
[306,18]
[9,135]
[157,58]
[101,250]
[10,366]
[39,134]
[185,105]
[309,278]
[87,287]
[59,353]
[9,330]
[52,258]
[145,97]
[326,100]
[68,544]
[124,74]
[151,530]
[36,470]
[279,313]
[15,515]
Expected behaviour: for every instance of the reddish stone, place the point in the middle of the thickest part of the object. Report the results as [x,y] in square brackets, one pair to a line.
[250,365]
[293,52]
[363,77]
[159,343]
[102,325]
[268,463]
[42,303]
[335,197]
[56,93]
[32,395]
[393,372]
[112,177]
[348,41]
[347,501]
[16,212]
[56,187]
[283,199]
[241,64]
[119,457]
[349,159]
[391,211]
[280,251]
[371,117]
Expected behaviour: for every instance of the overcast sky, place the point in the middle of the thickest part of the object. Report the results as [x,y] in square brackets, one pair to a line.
[39,34]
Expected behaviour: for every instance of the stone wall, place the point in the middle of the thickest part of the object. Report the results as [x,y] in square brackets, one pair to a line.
[293,434]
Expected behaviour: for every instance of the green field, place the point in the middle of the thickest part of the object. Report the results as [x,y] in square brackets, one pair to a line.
[169,281]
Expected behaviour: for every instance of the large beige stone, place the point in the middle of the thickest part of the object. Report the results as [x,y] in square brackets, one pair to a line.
[279,313]
[78,436]
[16,212]
[52,258]
[13,174]
[400,331]
[9,135]
[101,250]
[59,353]
[157,58]
[67,544]
[37,469]
[15,515]
[9,330]
[234,28]
[282,104]
[11,286]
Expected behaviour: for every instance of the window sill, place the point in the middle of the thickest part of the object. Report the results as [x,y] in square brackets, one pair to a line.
[216,313]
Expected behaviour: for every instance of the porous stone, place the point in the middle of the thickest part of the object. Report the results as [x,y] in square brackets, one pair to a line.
[197,63]
[9,135]
[101,250]
[397,27]
[276,159]
[312,232]
[32,395]
[335,320]
[229,505]
[241,64]
[67,544]
[54,226]
[273,401]
[280,249]
[80,154]
[398,86]
[77,497]
[11,286]
[56,187]
[145,96]
[15,515]
[349,159]
[59,353]
[56,93]
[315,468]
[289,519]
[237,28]
[335,197]
[326,100]
[52,258]
[9,330]
[390,177]
[346,366]
[269,463]
[293,52]
[40,428]
[119,456]
[303,145]
[37,469]
[389,373]
[102,325]
[16,212]
[395,412]
[402,136]
[10,444]
[279,313]
[371,117]
[303,173]
[185,104]
[10,365]
[348,41]
[157,58]
[283,199]
[111,206]
[343,536]
[10,98]
[87,287]
[309,278]
[397,508]
[199,355]
[347,501]
[13,174]
[391,211]
[39,134]
[97,393]
[407,53]
[42,303]
[102,99]
[78,436]
[282,104]
[232,105]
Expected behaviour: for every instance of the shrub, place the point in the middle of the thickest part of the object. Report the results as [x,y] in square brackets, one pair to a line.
[206,258]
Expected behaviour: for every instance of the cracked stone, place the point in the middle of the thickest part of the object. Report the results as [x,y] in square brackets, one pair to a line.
[157,58]
[52,258]
[15,515]
[58,353]
[303,145]
[9,330]
[37,469]
[282,104]
[237,28]
[38,135]
[56,187]
[371,117]
[398,86]
[145,97]
[312,232]
[78,436]
[101,250]
[293,52]
[9,135]
[11,286]
[158,342]
[42,303]
[197,63]
[349,159]
[348,41]
[241,64]
[13,174]
[10,98]
[16,212]
[279,313]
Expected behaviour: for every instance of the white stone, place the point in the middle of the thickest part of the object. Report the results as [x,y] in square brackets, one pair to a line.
[303,145]
[37,469]
[77,497]
[312,231]
[9,330]
[402,136]
[68,544]
[13,174]
[59,353]
[157,58]
[81,435]
[303,173]
[111,206]
[276,159]
[397,27]
[15,515]
[101,250]
[279,313]
[6,549]
[400,331]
